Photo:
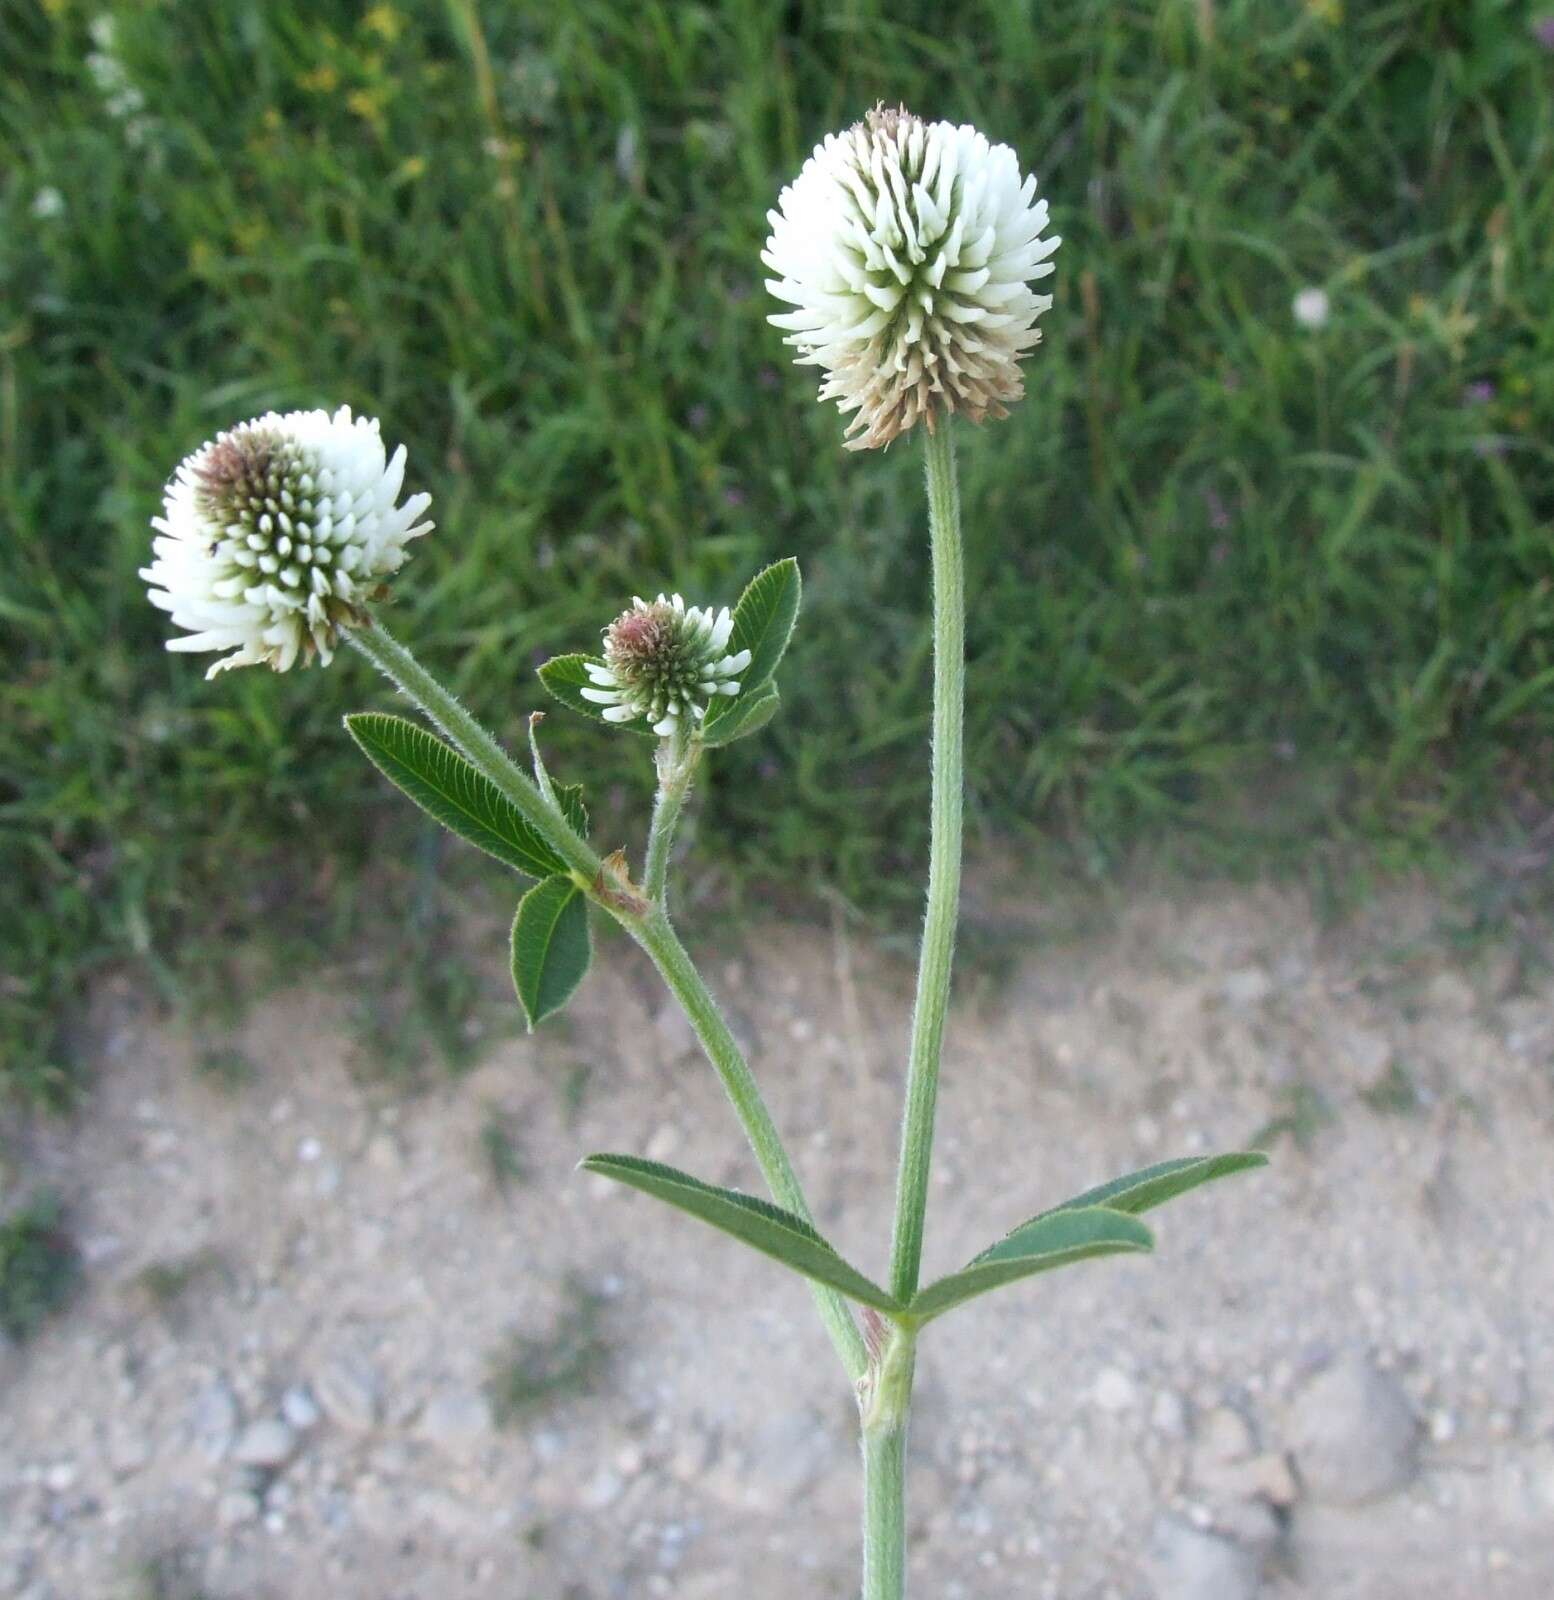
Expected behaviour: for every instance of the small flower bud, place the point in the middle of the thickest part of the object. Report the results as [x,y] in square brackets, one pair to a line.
[663,662]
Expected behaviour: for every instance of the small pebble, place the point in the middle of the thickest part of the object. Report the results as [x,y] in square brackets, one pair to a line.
[267,1443]
[1113,1390]
[601,1490]
[1188,1563]
[236,1508]
[457,1422]
[351,1395]
[1353,1433]
[299,1408]
[215,1419]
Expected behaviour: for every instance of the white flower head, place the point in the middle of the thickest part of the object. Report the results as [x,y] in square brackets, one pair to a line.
[663,662]
[274,534]
[1311,308]
[909,249]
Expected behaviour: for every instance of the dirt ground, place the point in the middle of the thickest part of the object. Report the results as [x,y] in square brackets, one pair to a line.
[1335,1379]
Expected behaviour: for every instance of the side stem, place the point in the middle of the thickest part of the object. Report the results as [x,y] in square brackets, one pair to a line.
[650,929]
[676,759]
[654,933]
[396,663]
[938,950]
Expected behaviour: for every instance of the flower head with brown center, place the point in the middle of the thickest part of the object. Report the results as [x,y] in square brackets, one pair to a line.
[663,661]
[908,249]
[274,534]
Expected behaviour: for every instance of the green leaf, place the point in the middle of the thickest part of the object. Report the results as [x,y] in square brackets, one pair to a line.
[1153,1186]
[744,717]
[763,624]
[551,947]
[446,786]
[1040,1245]
[567,676]
[771,1230]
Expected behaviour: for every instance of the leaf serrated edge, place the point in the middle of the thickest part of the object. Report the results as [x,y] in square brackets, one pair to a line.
[524,840]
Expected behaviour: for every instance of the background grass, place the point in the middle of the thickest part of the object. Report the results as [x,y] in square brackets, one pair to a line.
[1232,579]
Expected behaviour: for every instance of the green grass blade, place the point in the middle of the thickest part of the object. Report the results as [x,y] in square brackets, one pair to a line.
[1041,1245]
[447,787]
[764,1227]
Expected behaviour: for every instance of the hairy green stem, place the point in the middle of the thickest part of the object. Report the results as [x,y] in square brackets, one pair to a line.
[651,930]
[884,1514]
[395,662]
[938,950]
[677,757]
[654,933]
[886,1402]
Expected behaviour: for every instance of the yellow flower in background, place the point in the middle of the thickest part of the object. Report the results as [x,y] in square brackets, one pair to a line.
[368,104]
[384,21]
[322,79]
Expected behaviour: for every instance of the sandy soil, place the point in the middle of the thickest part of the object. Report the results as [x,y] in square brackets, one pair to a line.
[292,1402]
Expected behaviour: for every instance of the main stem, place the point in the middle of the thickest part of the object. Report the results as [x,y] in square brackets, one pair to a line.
[887,1391]
[654,933]
[933,973]
[885,1404]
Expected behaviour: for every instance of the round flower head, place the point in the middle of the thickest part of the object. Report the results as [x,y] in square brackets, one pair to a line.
[663,661]
[909,248]
[273,535]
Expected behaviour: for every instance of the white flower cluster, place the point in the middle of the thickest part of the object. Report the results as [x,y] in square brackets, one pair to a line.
[908,249]
[663,660]
[123,99]
[274,534]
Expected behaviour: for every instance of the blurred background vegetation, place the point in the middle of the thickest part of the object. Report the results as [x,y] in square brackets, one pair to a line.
[1243,589]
